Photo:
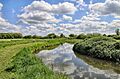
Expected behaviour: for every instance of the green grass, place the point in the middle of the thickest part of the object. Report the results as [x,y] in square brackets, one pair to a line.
[20,53]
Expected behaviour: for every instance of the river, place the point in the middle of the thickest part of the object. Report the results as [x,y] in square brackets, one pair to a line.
[62,59]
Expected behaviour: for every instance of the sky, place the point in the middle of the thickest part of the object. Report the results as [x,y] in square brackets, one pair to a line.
[41,17]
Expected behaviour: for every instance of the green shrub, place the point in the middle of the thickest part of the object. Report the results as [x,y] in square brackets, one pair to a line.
[100,47]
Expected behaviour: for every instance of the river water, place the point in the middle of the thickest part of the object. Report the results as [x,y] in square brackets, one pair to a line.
[62,59]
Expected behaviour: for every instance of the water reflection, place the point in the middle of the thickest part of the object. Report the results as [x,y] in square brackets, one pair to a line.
[63,59]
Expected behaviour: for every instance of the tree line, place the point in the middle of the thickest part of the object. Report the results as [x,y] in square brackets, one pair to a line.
[53,35]
[10,35]
[19,35]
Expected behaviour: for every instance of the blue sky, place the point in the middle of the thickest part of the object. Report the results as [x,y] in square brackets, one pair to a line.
[12,8]
[60,16]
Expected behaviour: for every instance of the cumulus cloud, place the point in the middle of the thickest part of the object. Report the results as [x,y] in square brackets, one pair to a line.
[5,26]
[42,17]
[109,7]
[37,16]
[61,8]
[65,17]
[41,11]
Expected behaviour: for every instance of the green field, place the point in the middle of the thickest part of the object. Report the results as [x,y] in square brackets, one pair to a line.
[19,62]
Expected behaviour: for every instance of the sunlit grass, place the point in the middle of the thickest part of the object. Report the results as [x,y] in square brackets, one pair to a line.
[10,52]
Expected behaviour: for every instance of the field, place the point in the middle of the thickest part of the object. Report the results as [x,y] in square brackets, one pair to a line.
[19,62]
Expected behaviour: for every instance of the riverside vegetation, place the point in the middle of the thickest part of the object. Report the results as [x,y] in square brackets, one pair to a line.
[105,48]
[18,61]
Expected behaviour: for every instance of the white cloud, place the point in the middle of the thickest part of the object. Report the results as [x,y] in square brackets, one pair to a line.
[37,16]
[41,11]
[61,8]
[5,26]
[111,7]
[41,17]
[65,17]
[80,1]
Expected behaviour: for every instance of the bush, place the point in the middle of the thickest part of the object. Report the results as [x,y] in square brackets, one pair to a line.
[99,47]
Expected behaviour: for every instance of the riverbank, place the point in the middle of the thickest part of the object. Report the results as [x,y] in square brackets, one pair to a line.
[14,52]
[104,48]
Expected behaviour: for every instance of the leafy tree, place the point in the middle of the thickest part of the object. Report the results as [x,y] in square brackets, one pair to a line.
[10,35]
[27,37]
[62,35]
[51,35]
[117,32]
[72,36]
[104,35]
[36,37]
[81,36]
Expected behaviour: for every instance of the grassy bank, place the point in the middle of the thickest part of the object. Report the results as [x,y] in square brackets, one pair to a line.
[19,62]
[103,65]
[99,47]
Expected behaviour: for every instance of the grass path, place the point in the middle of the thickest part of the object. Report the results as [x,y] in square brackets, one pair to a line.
[8,52]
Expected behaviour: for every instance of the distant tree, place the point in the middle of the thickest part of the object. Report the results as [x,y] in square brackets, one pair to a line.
[117,32]
[10,35]
[91,35]
[104,35]
[72,36]
[51,35]
[62,35]
[81,36]
[27,37]
[36,37]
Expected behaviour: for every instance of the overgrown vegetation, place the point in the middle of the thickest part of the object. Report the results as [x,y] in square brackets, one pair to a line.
[10,35]
[17,55]
[19,62]
[26,66]
[99,47]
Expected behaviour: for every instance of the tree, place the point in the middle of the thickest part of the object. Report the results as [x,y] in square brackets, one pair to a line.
[27,37]
[51,35]
[10,35]
[72,36]
[62,35]
[117,32]
[36,37]
[81,36]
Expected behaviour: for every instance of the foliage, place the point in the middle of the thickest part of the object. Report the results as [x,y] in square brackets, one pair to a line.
[26,66]
[51,35]
[117,32]
[87,36]
[81,36]
[10,35]
[13,47]
[62,35]
[72,36]
[100,47]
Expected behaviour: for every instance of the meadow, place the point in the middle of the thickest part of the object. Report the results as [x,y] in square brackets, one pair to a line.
[18,60]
